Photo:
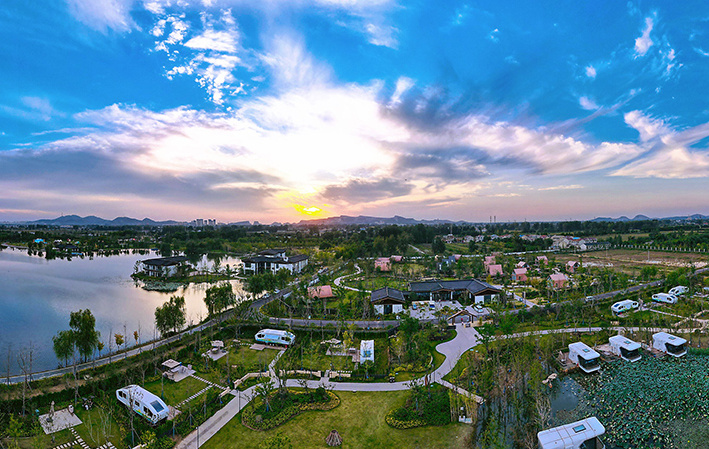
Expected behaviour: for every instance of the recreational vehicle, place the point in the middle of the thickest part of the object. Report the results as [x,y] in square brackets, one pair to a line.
[586,358]
[624,348]
[143,402]
[664,297]
[679,290]
[624,306]
[584,434]
[275,337]
[670,344]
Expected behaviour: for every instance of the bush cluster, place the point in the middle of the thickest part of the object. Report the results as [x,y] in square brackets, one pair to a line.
[284,407]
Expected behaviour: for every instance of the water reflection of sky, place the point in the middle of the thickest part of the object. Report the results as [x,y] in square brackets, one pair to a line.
[37,296]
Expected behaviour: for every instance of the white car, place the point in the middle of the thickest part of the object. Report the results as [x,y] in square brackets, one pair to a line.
[679,290]
[664,297]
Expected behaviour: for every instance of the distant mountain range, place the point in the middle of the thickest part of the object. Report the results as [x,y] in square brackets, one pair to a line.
[342,220]
[645,217]
[345,220]
[92,220]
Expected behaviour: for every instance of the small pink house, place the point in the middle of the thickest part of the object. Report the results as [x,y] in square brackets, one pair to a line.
[542,260]
[572,265]
[396,258]
[520,275]
[494,270]
[489,260]
[522,264]
[382,264]
[320,292]
[558,280]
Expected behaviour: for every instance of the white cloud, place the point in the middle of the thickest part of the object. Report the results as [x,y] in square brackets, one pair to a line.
[669,163]
[644,42]
[494,35]
[701,52]
[219,41]
[403,84]
[648,127]
[291,65]
[33,109]
[588,104]
[591,71]
[103,15]
[563,187]
[382,35]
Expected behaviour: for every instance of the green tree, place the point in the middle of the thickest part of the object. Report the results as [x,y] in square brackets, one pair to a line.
[171,315]
[63,344]
[86,337]
[219,297]
[438,246]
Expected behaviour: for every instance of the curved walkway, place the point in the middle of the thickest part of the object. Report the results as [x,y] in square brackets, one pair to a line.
[338,281]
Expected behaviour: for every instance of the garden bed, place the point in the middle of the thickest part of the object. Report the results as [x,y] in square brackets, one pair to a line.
[425,406]
[279,409]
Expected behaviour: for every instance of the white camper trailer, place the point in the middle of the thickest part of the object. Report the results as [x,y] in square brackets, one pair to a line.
[664,297]
[582,434]
[670,344]
[586,358]
[143,402]
[275,337]
[679,290]
[624,306]
[624,348]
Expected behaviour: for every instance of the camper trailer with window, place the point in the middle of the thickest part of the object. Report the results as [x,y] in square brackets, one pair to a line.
[679,290]
[143,402]
[624,348]
[584,434]
[664,297]
[586,358]
[669,344]
[275,337]
[624,306]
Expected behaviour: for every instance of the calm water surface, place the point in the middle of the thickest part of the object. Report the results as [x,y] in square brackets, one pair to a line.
[37,296]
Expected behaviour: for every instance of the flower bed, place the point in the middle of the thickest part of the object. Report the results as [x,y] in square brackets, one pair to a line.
[286,408]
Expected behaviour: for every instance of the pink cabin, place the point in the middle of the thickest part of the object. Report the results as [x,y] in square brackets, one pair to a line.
[396,258]
[520,275]
[542,260]
[382,264]
[494,270]
[558,280]
[572,265]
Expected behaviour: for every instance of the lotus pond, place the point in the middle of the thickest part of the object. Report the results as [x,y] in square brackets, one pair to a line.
[652,403]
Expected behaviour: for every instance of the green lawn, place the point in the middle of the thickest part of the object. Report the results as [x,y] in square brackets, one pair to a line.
[98,427]
[174,393]
[249,359]
[360,421]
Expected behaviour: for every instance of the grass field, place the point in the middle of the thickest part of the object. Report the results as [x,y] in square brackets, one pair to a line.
[632,261]
[360,421]
[174,393]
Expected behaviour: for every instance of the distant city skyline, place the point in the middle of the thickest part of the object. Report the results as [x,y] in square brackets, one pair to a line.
[282,110]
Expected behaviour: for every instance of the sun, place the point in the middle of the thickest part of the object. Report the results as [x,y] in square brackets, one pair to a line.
[308,210]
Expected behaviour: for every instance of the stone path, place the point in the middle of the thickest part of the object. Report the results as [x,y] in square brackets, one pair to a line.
[194,396]
[210,383]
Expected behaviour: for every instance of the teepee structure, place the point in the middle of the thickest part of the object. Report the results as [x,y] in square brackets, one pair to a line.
[334,439]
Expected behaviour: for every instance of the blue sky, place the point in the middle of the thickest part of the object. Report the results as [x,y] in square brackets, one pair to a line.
[279,110]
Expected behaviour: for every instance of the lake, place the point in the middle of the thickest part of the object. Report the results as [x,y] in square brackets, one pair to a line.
[37,296]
